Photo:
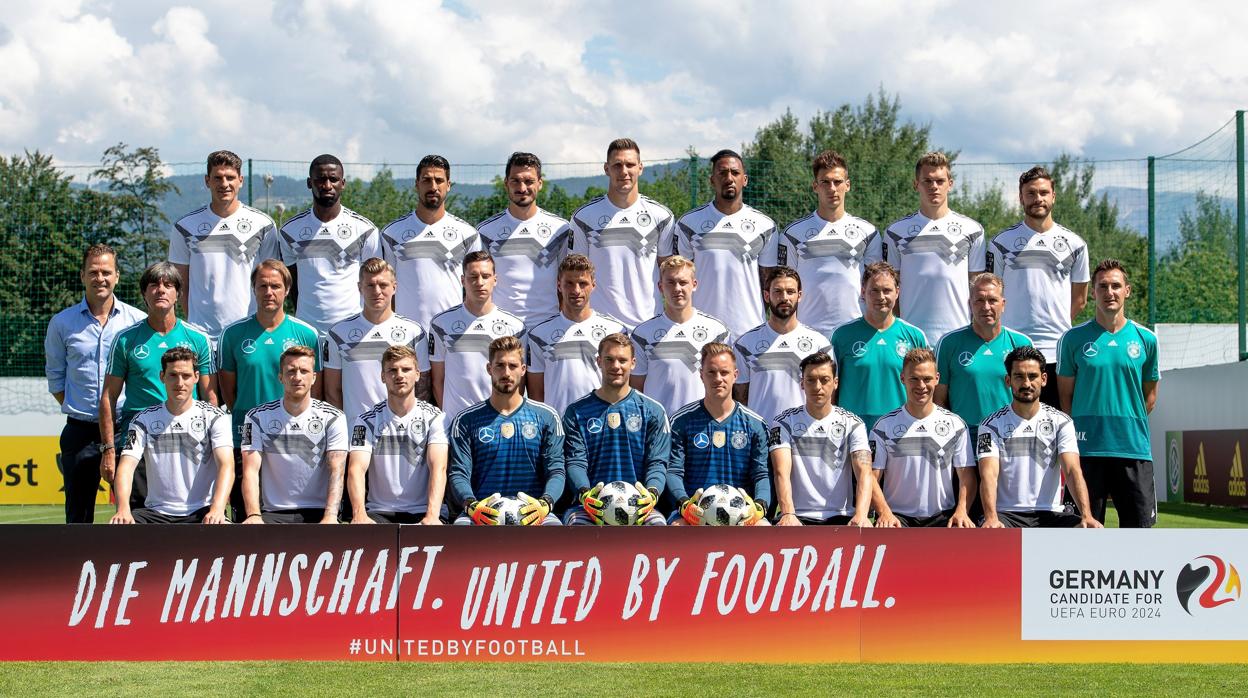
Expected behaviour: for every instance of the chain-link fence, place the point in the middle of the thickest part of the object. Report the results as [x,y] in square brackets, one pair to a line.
[1176,221]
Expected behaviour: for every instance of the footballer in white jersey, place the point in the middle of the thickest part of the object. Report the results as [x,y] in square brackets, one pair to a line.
[427,259]
[294,450]
[1039,270]
[936,259]
[725,238]
[668,354]
[1025,452]
[326,258]
[830,249]
[831,258]
[821,454]
[398,475]
[564,352]
[623,243]
[219,254]
[354,347]
[769,356]
[526,254]
[180,455]
[460,341]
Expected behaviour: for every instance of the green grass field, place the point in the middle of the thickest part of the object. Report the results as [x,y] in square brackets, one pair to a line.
[341,679]
[1168,515]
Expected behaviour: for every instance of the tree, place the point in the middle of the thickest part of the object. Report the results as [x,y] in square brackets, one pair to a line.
[137,182]
[1196,279]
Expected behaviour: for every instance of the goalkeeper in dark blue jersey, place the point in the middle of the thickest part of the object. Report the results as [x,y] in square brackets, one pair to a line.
[506,446]
[718,441]
[615,433]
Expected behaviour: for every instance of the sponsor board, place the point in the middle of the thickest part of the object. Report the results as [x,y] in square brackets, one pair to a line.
[1213,466]
[420,593]
[30,471]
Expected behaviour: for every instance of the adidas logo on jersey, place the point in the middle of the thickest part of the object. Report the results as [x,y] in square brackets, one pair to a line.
[680,334]
[324,231]
[478,326]
[578,333]
[1028,430]
[376,335]
[881,341]
[225,227]
[921,429]
[269,340]
[624,219]
[728,225]
[295,427]
[783,344]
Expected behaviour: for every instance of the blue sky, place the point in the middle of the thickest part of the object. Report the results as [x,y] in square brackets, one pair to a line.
[390,81]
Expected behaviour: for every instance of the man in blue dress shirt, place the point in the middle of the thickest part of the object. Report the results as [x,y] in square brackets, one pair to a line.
[77,347]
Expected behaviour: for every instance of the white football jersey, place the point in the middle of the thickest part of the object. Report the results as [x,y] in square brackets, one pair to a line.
[1029,451]
[822,476]
[398,473]
[725,250]
[355,345]
[294,469]
[935,258]
[526,258]
[177,453]
[1038,270]
[669,355]
[461,342]
[623,244]
[564,351]
[327,257]
[769,361]
[830,258]
[918,457]
[221,252]
[428,261]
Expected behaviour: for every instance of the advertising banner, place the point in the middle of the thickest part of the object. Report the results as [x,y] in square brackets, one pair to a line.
[30,471]
[1213,467]
[649,594]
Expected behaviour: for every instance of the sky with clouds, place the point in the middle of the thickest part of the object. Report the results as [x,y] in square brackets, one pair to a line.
[377,81]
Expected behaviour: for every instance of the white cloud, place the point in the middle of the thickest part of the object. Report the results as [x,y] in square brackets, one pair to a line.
[388,82]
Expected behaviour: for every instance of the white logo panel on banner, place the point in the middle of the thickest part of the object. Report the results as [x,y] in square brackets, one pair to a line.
[1134,585]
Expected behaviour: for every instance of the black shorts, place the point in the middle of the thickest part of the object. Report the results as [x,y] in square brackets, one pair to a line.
[940,520]
[830,521]
[293,516]
[1128,482]
[1037,519]
[395,517]
[151,516]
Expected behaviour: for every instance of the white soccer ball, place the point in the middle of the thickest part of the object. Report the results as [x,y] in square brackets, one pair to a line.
[723,505]
[508,510]
[619,503]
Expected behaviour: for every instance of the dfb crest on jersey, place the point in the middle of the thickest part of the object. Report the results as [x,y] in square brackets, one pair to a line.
[448,234]
[633,423]
[804,344]
[699,334]
[1060,244]
[852,232]
[528,430]
[357,435]
[740,439]
[197,425]
[942,428]
[719,438]
[747,226]
[598,333]
[955,228]
[507,429]
[288,343]
[1133,349]
[838,431]
[315,426]
[1046,427]
[902,347]
[643,218]
[500,328]
[244,226]
[983,443]
[417,430]
[398,334]
[543,230]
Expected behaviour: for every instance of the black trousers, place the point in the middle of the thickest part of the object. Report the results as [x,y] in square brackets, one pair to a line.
[80,468]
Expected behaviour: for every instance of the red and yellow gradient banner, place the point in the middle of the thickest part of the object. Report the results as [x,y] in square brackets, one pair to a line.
[411,593]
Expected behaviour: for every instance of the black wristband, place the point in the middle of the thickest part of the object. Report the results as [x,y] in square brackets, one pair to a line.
[249,516]
[788,513]
[550,502]
[654,492]
[468,503]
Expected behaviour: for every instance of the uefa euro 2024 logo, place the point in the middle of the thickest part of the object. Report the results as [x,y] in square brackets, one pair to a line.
[1207,582]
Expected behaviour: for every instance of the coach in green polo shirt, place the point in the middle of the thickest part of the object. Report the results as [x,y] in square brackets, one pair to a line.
[971,360]
[250,353]
[870,350]
[1107,379]
[134,365]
